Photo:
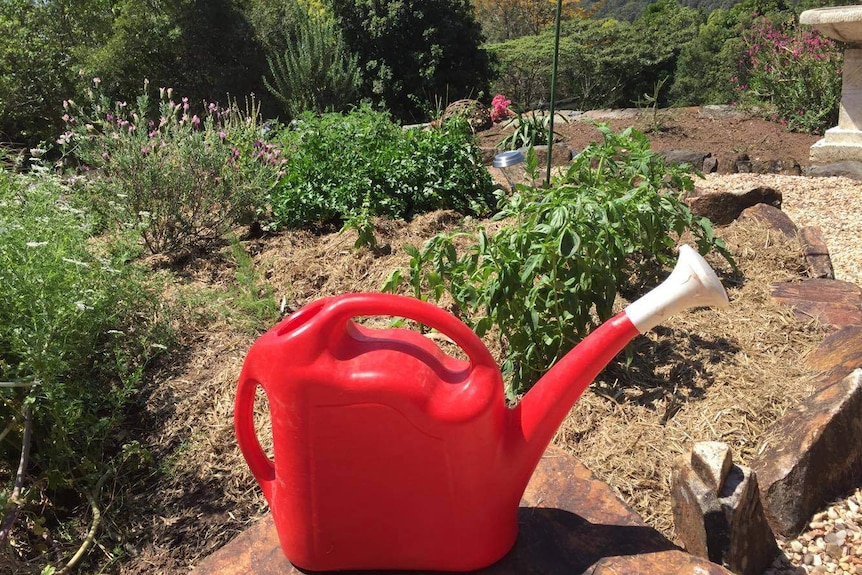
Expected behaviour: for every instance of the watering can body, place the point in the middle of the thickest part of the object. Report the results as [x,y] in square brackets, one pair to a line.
[389,453]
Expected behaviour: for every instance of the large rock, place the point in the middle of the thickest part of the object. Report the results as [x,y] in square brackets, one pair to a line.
[477,114]
[717,511]
[817,455]
[723,207]
[569,522]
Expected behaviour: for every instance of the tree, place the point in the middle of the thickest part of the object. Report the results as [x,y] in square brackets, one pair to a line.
[205,49]
[507,19]
[42,44]
[414,51]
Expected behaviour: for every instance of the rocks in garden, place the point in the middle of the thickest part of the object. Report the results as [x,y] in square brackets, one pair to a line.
[816,253]
[697,160]
[817,456]
[772,217]
[477,114]
[787,167]
[717,510]
[838,354]
[561,154]
[722,111]
[832,302]
[723,207]
[847,169]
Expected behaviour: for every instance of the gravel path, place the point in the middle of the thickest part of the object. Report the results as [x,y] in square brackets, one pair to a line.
[833,541]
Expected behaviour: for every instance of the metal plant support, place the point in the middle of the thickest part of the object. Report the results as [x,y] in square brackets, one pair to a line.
[553,90]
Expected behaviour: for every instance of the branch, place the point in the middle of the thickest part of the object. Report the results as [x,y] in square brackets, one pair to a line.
[12,514]
[91,534]
[11,384]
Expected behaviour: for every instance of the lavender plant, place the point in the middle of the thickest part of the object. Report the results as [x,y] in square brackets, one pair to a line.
[180,178]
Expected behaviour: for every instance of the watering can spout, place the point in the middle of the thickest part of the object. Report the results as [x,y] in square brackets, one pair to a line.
[537,417]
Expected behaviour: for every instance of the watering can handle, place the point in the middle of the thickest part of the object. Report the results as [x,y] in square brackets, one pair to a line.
[261,466]
[342,308]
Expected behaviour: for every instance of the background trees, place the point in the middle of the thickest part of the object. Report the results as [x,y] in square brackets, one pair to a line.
[508,19]
[414,51]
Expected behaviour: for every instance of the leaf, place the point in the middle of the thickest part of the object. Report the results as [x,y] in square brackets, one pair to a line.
[569,243]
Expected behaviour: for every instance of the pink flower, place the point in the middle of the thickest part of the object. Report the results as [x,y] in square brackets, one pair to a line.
[222,135]
[196,121]
[97,81]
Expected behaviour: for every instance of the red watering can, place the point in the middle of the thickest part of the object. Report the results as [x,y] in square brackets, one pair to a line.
[390,454]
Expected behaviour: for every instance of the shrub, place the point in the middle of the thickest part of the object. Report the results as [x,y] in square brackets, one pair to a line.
[412,51]
[562,253]
[181,179]
[795,73]
[315,72]
[77,325]
[342,166]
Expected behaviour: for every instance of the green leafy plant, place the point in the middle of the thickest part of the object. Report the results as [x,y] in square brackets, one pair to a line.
[553,268]
[315,72]
[78,322]
[180,179]
[794,73]
[352,167]
[528,130]
[649,103]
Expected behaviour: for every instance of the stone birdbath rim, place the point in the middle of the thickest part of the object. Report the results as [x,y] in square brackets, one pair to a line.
[842,23]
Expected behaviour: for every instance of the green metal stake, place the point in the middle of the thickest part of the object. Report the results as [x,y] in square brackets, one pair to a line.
[553,90]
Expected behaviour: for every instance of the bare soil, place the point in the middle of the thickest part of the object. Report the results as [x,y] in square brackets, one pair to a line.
[705,375]
[724,133]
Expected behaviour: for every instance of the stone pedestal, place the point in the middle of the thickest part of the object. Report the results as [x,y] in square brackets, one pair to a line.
[843,142]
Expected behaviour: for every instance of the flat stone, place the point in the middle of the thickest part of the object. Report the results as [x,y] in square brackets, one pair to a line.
[832,302]
[816,253]
[838,354]
[846,169]
[723,207]
[569,522]
[711,460]
[815,458]
[771,216]
[723,111]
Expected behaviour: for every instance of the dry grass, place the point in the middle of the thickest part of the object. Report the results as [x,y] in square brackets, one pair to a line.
[705,375]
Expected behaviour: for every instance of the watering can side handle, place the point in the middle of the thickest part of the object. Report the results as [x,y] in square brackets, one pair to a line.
[243,419]
[345,307]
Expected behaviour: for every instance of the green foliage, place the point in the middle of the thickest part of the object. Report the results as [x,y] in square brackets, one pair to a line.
[529,130]
[343,166]
[412,51]
[181,180]
[602,63]
[707,63]
[41,47]
[315,72]
[77,325]
[562,254]
[205,49]
[795,73]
